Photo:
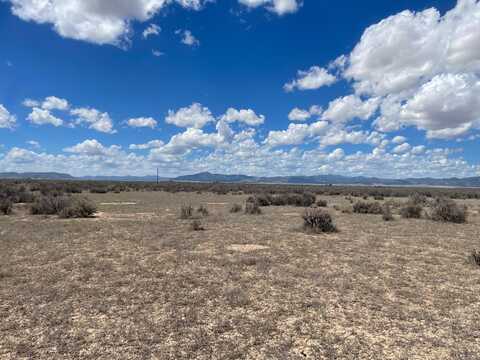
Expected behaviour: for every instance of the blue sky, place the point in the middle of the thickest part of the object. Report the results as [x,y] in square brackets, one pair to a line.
[260,87]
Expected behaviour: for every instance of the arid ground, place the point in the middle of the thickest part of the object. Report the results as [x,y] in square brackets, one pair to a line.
[136,282]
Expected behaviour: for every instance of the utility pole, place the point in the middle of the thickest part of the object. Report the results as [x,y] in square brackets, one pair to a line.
[157,175]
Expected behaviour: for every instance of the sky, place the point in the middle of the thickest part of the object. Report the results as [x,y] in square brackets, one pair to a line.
[257,87]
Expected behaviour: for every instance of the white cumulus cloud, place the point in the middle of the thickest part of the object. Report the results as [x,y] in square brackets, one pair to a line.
[312,79]
[188,38]
[151,30]
[246,116]
[346,108]
[195,116]
[279,7]
[7,120]
[96,120]
[95,21]
[142,122]
[302,115]
[43,117]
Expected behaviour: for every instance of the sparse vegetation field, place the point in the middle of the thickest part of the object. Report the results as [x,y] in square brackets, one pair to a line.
[194,275]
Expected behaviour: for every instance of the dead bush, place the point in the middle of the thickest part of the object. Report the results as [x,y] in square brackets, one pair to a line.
[318,221]
[447,210]
[361,207]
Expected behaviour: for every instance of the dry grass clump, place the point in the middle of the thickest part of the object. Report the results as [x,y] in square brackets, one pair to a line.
[186,212]
[236,297]
[236,208]
[196,225]
[447,210]
[252,208]
[475,257]
[316,220]
[322,203]
[362,207]
[387,213]
[202,210]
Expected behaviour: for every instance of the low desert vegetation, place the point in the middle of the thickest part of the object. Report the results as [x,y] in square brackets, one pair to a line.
[276,286]
[305,199]
[49,205]
[63,206]
[316,220]
[252,208]
[6,206]
[78,207]
[475,257]
[202,210]
[196,225]
[387,213]
[363,207]
[322,203]
[104,187]
[236,208]
[447,210]
[186,212]
[411,211]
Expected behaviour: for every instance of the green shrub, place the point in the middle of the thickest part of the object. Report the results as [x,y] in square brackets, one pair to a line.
[361,207]
[448,210]
[318,221]
[79,207]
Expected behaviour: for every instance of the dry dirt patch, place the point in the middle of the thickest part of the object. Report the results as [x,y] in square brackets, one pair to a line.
[246,248]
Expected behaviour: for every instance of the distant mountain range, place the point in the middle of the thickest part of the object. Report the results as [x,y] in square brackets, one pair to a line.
[316,179]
